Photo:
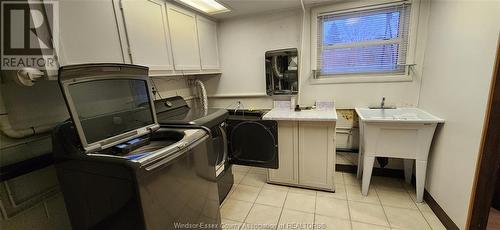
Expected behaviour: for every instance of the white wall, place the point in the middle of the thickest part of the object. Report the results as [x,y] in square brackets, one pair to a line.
[350,95]
[243,42]
[461,45]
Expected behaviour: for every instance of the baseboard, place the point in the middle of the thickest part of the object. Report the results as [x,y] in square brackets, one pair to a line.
[440,213]
[399,173]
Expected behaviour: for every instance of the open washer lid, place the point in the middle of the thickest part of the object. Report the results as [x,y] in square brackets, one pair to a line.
[109,103]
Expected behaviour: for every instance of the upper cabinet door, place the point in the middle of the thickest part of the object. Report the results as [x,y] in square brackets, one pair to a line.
[147,33]
[184,38]
[88,33]
[207,36]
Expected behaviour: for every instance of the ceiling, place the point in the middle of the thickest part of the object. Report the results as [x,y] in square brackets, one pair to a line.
[246,7]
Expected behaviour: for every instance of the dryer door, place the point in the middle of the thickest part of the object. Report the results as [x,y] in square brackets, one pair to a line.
[253,143]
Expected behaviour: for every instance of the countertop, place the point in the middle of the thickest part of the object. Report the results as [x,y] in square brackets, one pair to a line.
[287,114]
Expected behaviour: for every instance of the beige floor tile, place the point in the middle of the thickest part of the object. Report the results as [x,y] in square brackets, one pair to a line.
[332,207]
[339,193]
[433,221]
[352,158]
[350,179]
[300,202]
[331,223]
[291,217]
[409,187]
[365,226]
[245,193]
[413,195]
[338,178]
[305,191]
[263,214]
[341,160]
[354,194]
[241,168]
[238,176]
[401,218]
[423,207]
[271,197]
[276,187]
[235,210]
[347,158]
[387,182]
[253,179]
[367,213]
[411,190]
[230,224]
[395,198]
[258,170]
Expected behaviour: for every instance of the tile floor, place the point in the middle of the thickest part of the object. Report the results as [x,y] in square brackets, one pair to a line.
[389,205]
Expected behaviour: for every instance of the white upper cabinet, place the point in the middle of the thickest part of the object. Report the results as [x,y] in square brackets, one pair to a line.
[184,38]
[88,33]
[207,37]
[147,33]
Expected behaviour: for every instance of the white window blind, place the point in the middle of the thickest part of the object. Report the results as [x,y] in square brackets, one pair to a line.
[371,41]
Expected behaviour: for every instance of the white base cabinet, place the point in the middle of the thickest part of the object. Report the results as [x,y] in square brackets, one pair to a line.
[288,154]
[306,154]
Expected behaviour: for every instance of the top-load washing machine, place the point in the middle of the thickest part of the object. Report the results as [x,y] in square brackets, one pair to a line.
[118,169]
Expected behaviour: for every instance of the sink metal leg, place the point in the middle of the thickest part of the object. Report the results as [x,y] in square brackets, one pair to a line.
[367,173]
[420,171]
[408,170]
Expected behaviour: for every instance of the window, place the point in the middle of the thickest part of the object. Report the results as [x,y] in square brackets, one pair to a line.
[363,42]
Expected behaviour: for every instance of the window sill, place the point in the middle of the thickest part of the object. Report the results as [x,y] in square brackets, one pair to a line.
[360,79]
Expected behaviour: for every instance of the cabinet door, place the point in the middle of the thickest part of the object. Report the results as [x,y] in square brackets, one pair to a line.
[316,154]
[182,25]
[88,32]
[207,37]
[147,33]
[287,154]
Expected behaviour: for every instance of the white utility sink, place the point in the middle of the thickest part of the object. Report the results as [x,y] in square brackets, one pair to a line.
[404,133]
[412,115]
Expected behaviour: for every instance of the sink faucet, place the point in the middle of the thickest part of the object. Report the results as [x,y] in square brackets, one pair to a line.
[382,105]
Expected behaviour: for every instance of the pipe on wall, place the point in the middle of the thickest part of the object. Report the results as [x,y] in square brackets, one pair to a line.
[202,93]
[302,47]
[7,129]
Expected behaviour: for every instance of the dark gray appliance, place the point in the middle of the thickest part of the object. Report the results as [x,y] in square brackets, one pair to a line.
[242,139]
[117,168]
[175,112]
[251,140]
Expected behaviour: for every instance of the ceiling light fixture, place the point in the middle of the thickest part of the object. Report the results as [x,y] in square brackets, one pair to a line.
[207,6]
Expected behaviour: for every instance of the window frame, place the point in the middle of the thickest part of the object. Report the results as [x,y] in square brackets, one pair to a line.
[368,77]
